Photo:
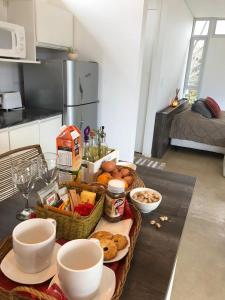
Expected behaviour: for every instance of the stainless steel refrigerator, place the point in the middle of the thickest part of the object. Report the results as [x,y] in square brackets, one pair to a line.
[67,86]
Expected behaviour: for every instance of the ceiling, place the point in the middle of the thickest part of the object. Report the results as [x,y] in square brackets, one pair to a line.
[207,8]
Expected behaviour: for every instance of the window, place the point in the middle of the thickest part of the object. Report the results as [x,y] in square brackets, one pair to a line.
[196,58]
[220,27]
[196,62]
[203,30]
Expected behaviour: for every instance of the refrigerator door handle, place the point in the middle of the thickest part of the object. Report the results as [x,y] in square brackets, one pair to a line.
[81,89]
[83,104]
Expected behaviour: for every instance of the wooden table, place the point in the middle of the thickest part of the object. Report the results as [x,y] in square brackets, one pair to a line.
[156,249]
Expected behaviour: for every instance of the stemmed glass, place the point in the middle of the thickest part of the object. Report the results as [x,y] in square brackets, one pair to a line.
[48,170]
[24,173]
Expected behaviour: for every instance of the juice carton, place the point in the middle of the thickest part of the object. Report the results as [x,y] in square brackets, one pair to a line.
[69,150]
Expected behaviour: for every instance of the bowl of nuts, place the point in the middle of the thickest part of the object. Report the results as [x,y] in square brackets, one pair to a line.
[145,199]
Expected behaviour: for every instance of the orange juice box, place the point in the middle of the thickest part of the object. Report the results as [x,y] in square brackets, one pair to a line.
[69,149]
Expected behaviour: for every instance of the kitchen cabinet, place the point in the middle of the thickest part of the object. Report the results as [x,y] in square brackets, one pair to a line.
[54,25]
[47,23]
[4,141]
[49,129]
[24,135]
[43,132]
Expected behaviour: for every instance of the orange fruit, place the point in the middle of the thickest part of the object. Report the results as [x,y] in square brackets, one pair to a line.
[104,178]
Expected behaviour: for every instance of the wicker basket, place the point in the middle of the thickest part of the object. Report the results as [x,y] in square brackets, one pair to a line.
[121,273]
[74,226]
[136,183]
[126,262]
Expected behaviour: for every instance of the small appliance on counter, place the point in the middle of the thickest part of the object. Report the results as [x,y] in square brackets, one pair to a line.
[10,100]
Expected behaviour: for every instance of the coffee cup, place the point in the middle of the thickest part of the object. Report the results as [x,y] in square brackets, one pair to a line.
[80,265]
[33,243]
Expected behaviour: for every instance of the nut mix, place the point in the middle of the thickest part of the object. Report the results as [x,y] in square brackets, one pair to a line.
[157,224]
[146,197]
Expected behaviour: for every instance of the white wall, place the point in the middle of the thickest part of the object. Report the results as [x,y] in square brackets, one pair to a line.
[109,32]
[174,42]
[150,34]
[3,10]
[169,63]
[213,80]
[9,77]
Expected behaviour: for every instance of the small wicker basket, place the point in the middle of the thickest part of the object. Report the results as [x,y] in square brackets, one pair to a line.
[74,226]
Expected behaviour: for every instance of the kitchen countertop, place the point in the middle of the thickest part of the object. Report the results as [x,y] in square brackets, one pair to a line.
[156,250]
[17,117]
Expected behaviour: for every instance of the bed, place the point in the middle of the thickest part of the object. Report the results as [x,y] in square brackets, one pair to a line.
[192,130]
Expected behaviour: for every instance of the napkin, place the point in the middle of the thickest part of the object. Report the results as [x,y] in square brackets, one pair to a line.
[121,227]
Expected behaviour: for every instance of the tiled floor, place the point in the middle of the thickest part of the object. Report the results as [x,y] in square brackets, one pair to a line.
[200,272]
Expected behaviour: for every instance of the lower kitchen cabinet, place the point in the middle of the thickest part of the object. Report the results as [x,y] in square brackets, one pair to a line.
[4,141]
[43,132]
[49,129]
[24,135]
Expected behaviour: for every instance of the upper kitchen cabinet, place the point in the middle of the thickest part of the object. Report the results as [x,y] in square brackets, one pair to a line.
[54,25]
[47,24]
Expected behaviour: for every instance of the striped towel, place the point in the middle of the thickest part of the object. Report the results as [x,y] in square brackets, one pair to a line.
[148,162]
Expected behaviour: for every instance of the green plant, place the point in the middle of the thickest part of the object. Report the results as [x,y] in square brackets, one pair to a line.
[71,50]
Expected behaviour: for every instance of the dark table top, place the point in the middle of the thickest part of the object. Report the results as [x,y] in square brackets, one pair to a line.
[17,117]
[156,249]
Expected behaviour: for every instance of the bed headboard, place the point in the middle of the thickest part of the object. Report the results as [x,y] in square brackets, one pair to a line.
[163,121]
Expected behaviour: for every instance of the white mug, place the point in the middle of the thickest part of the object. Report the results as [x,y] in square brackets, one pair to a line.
[33,243]
[80,265]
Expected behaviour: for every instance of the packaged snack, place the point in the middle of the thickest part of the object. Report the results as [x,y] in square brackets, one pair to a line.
[51,199]
[63,194]
[48,195]
[87,197]
[84,209]
[73,195]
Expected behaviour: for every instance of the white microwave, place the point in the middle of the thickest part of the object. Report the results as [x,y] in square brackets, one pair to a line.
[12,40]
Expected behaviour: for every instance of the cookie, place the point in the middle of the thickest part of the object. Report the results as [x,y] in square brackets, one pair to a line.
[99,235]
[109,249]
[120,241]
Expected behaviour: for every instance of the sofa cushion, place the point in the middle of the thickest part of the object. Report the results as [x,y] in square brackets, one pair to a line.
[200,107]
[213,106]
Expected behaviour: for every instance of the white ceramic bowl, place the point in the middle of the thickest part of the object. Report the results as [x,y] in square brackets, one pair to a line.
[145,207]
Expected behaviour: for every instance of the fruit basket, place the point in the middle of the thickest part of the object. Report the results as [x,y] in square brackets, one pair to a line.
[136,182]
[10,290]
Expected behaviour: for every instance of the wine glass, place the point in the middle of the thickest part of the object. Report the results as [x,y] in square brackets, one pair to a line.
[48,170]
[23,175]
